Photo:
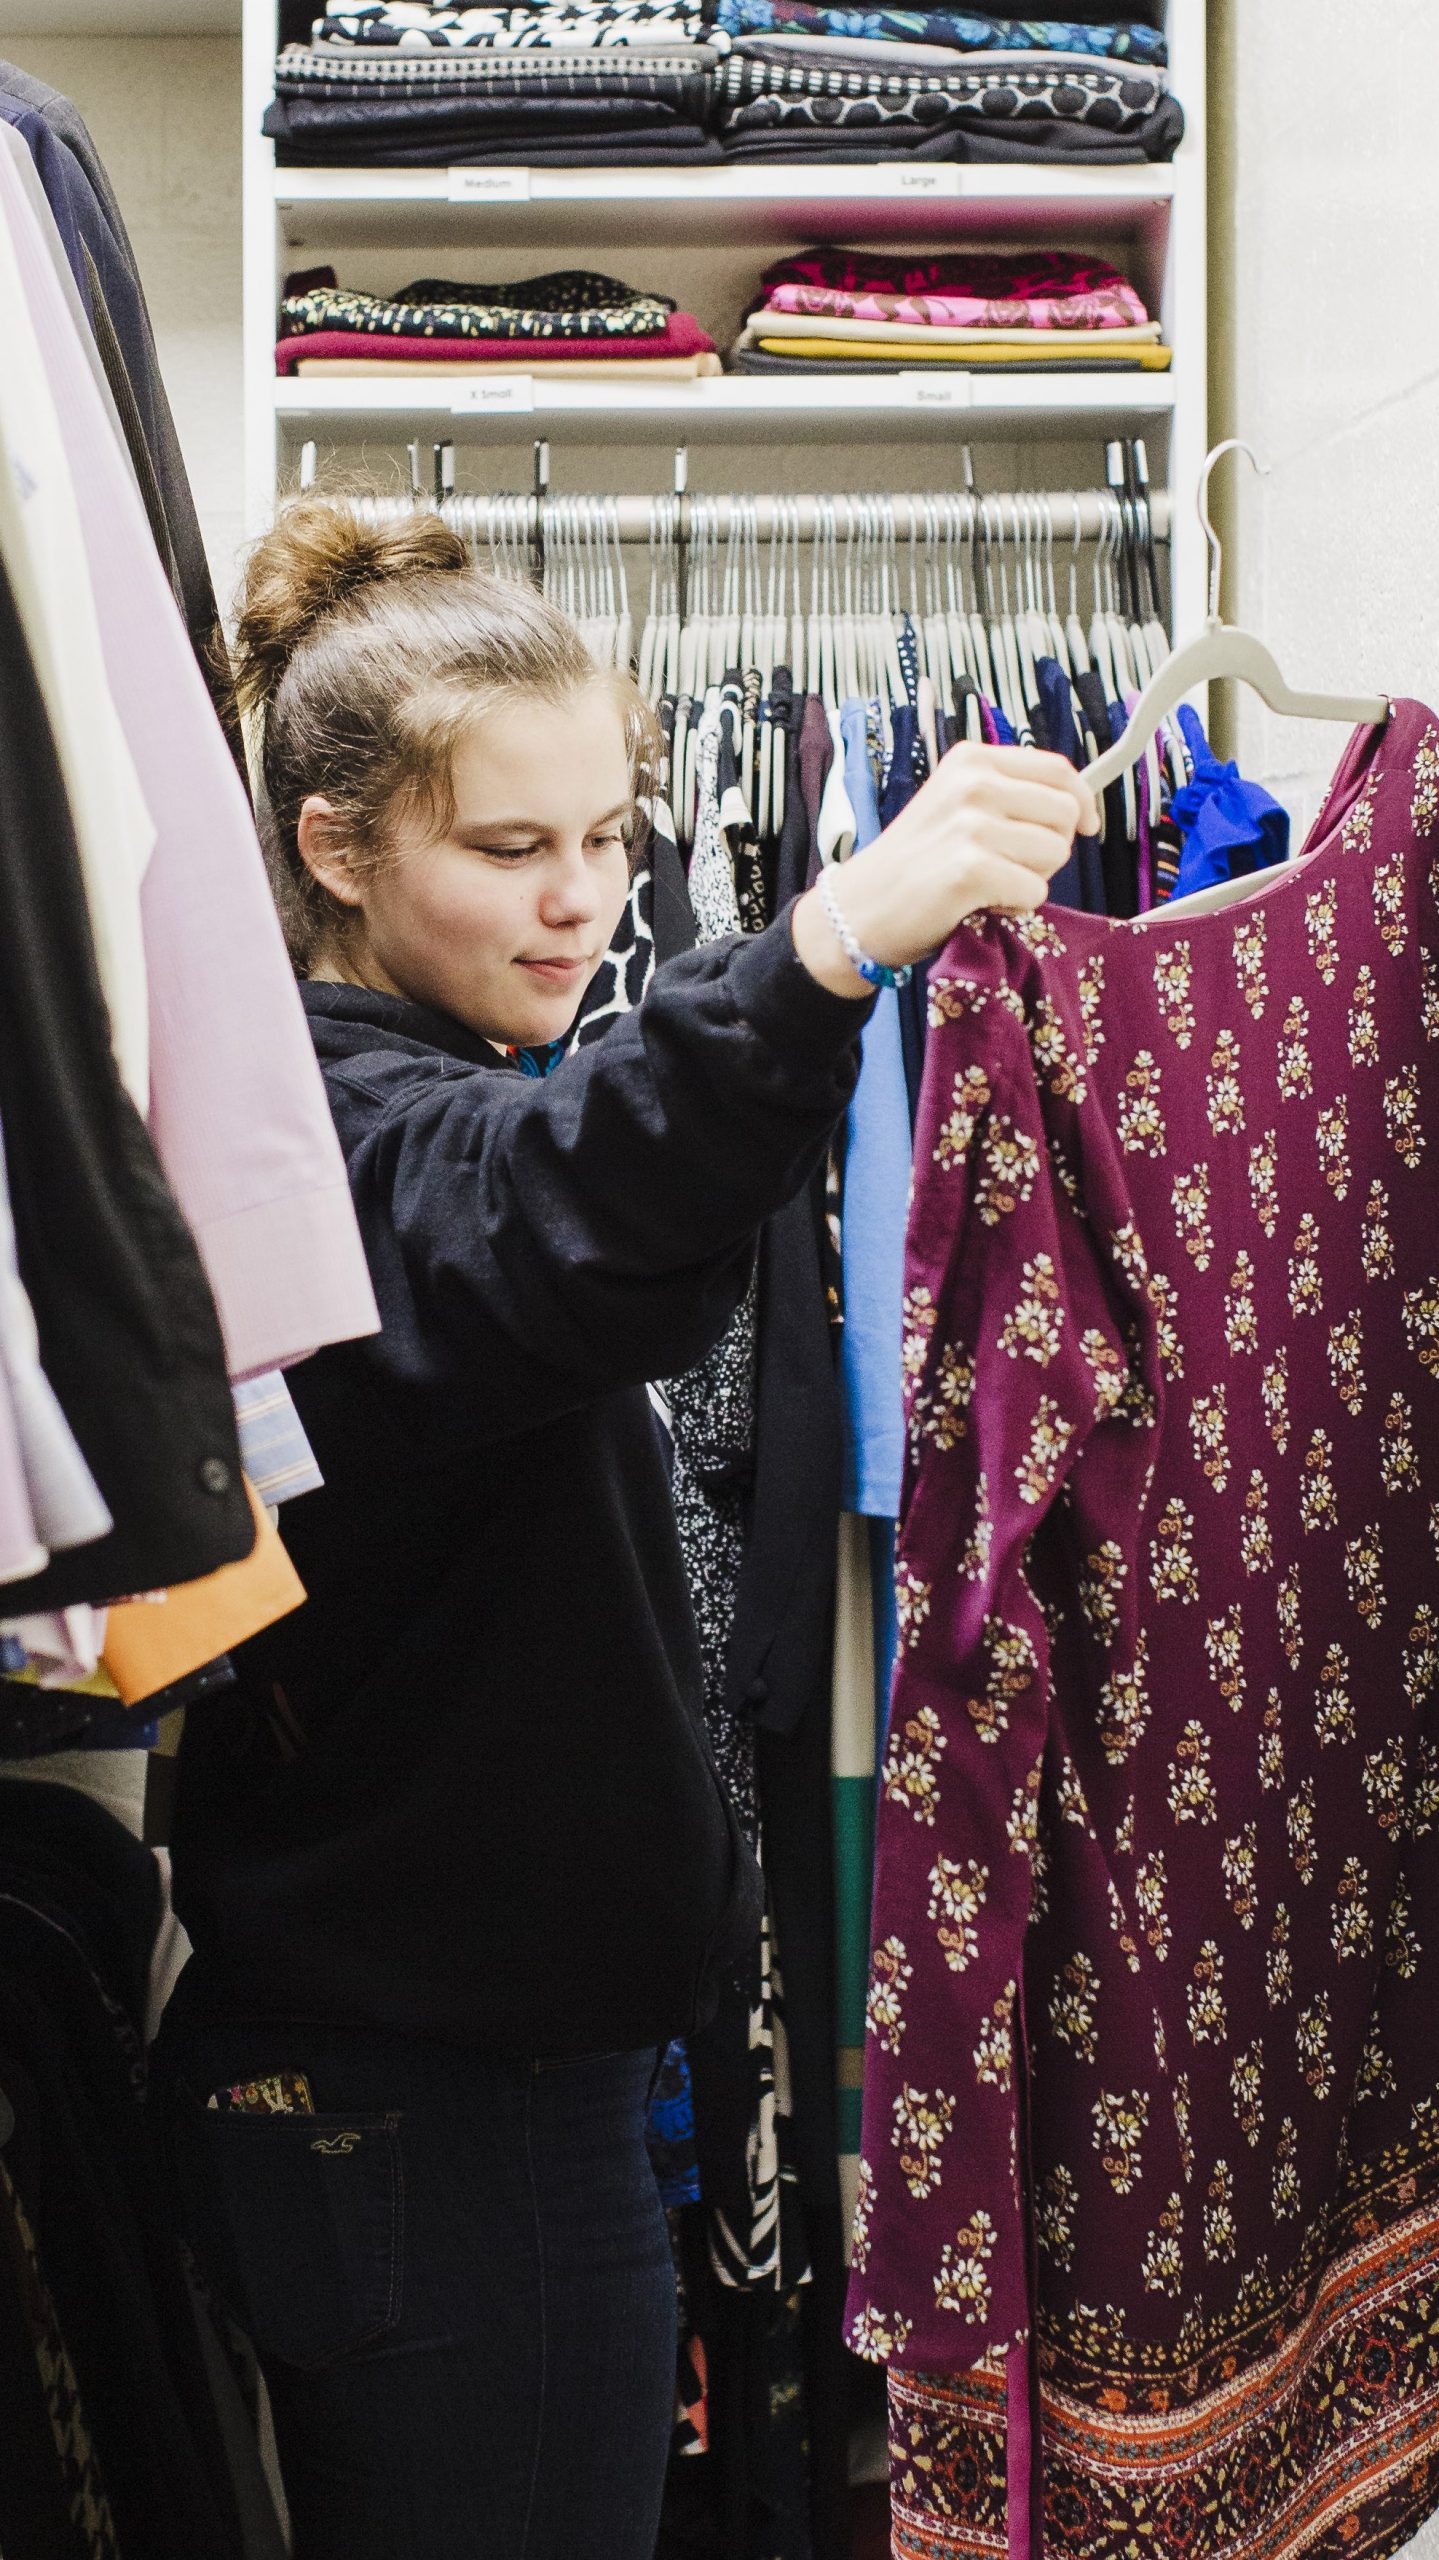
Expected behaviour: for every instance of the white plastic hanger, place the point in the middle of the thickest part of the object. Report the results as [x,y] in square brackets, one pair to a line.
[1225,649]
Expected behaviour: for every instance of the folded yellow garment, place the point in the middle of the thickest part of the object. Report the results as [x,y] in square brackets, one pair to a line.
[824,324]
[1019,358]
[561,368]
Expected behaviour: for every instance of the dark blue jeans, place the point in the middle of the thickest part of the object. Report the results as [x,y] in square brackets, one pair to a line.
[456,2275]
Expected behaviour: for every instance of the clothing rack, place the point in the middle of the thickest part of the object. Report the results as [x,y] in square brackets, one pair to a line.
[1083,515]
[1037,523]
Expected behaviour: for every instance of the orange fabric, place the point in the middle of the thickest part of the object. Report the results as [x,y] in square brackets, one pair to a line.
[151,1643]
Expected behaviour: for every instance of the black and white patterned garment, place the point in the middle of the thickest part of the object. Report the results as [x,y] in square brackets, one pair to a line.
[572,302]
[814,73]
[331,71]
[21,2267]
[619,983]
[398,27]
[710,1419]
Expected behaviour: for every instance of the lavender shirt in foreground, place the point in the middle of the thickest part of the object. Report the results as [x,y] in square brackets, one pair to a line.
[1165,1741]
[238,1111]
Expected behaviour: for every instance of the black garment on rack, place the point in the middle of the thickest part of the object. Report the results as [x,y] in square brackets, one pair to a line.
[779,1668]
[124,301]
[1121,879]
[129,1337]
[1080,881]
[79,1901]
[35,2517]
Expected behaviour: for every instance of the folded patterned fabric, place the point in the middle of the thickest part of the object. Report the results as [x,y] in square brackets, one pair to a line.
[398,26]
[415,26]
[304,71]
[958,28]
[871,128]
[564,368]
[814,69]
[822,324]
[681,336]
[572,302]
[1039,289]
[1010,352]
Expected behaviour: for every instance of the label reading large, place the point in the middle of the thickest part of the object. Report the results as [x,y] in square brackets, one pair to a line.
[928,182]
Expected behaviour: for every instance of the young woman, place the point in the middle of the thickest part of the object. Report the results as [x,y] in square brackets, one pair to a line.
[456,1862]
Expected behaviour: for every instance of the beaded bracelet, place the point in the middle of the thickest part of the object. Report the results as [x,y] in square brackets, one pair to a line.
[873,972]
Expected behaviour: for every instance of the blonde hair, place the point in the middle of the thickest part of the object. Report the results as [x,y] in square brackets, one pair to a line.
[364,650]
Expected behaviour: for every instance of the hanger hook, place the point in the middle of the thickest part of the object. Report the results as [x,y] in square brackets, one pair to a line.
[1231,444]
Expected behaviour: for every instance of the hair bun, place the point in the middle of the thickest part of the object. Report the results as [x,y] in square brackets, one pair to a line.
[319,553]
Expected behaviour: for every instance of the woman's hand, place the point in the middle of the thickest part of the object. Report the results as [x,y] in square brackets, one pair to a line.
[990,828]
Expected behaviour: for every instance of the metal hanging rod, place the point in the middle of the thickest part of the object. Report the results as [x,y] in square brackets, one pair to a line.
[1082,515]
[636,519]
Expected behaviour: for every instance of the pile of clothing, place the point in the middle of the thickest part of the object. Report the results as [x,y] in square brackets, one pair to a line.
[803,79]
[832,310]
[575,324]
[415,83]
[618,83]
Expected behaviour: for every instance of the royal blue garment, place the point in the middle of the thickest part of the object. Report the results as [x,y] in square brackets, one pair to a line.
[876,1206]
[1003,734]
[538,1062]
[670,2130]
[1230,827]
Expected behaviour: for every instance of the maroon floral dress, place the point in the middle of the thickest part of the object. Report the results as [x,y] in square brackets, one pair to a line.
[1152,2087]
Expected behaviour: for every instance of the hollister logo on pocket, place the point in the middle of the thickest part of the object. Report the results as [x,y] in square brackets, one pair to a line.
[337,2145]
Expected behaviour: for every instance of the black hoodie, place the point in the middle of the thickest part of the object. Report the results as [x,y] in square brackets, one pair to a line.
[465,1792]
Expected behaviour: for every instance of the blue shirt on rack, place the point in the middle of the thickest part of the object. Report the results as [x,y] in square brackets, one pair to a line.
[876,1207]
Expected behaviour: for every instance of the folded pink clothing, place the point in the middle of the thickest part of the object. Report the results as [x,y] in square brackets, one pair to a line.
[682,336]
[1037,289]
[1111,307]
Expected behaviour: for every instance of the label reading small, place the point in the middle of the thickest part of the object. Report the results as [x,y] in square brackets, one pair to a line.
[938,390]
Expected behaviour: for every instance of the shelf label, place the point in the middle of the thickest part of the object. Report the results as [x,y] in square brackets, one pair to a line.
[499,392]
[938,390]
[489,186]
[928,181]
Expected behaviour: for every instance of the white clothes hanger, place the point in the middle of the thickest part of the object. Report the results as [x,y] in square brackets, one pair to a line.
[1225,649]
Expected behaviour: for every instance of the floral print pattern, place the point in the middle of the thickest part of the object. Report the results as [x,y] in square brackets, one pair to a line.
[1205,1799]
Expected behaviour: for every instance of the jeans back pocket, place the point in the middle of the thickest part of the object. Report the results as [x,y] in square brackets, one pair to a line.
[297,2221]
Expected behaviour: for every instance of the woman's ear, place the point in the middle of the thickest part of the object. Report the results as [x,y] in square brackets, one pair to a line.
[324,850]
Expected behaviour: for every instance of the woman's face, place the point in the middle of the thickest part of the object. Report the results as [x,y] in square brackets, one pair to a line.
[503,920]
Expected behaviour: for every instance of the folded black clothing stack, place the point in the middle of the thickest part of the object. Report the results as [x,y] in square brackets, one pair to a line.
[623,83]
[415,83]
[836,96]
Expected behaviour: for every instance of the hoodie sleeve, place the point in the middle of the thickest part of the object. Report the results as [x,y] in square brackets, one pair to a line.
[535,1245]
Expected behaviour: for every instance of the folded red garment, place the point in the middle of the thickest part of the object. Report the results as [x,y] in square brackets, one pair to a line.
[682,337]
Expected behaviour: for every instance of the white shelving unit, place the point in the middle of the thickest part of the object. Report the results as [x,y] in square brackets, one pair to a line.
[704,235]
